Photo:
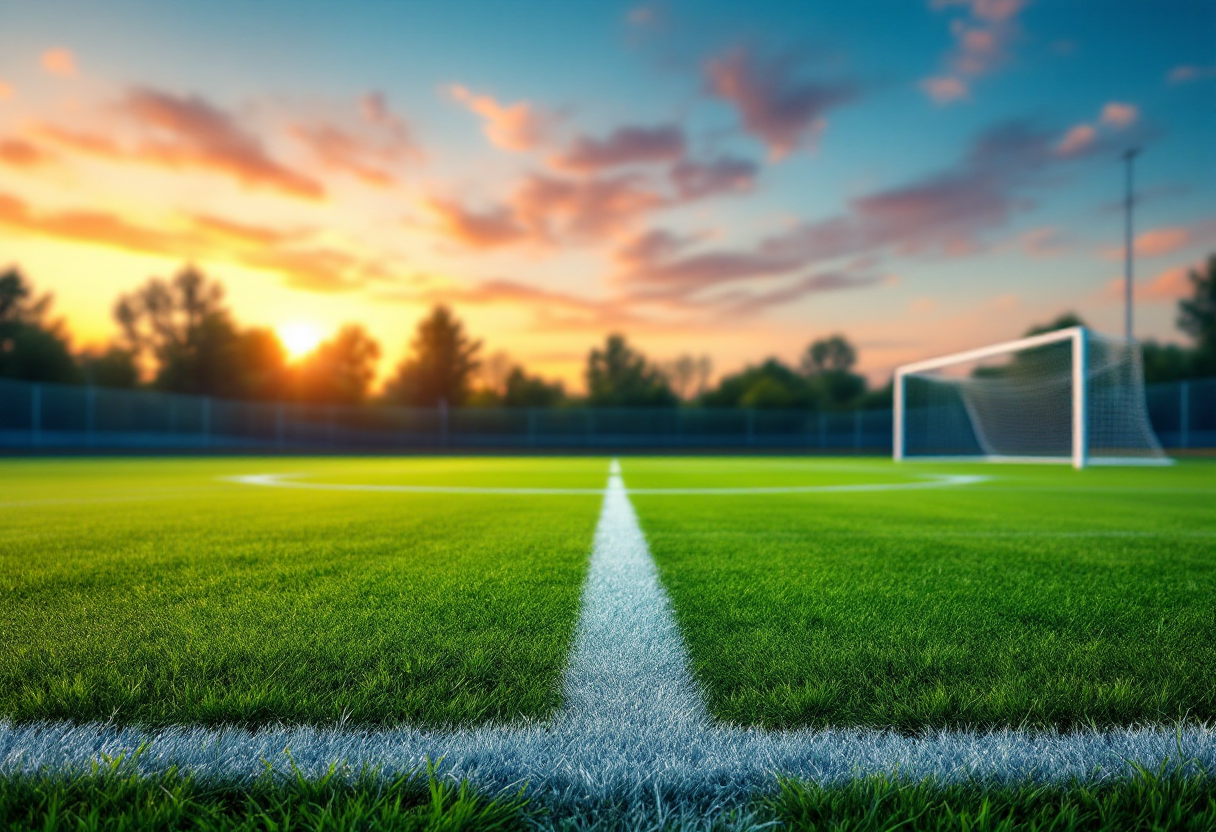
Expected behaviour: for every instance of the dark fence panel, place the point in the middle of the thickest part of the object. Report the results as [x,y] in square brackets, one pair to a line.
[53,416]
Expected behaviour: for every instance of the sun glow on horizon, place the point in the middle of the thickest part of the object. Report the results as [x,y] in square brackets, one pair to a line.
[299,338]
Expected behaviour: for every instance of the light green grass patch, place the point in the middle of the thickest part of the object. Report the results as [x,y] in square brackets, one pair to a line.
[1045,597]
[155,592]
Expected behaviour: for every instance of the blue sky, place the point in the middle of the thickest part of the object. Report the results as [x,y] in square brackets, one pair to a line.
[732,179]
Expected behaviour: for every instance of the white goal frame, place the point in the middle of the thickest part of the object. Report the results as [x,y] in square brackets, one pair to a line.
[1079,337]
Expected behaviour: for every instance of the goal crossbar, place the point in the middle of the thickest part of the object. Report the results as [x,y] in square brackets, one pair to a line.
[1070,333]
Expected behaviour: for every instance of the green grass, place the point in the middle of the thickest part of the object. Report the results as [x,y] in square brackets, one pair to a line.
[153,592]
[1044,598]
[1148,801]
[113,797]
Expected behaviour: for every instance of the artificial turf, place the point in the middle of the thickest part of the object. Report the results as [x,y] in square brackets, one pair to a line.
[1043,598]
[155,592]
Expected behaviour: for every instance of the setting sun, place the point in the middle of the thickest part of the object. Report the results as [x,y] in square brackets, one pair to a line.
[299,338]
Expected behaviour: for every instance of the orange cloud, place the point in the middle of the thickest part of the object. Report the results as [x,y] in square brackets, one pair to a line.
[473,229]
[304,266]
[1119,115]
[59,61]
[1166,286]
[21,154]
[189,131]
[6,91]
[1162,241]
[518,127]
[945,89]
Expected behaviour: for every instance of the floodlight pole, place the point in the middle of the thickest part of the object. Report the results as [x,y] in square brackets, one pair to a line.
[1129,244]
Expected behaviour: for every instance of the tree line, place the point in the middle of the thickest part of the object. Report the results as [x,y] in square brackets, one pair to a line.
[178,335]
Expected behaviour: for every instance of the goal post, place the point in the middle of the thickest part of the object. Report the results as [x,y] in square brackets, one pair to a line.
[1068,396]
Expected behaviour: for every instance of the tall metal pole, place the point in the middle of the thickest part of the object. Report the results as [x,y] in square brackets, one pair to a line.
[1129,244]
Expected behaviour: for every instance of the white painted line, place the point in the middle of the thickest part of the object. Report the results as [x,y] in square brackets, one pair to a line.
[294,481]
[633,732]
[628,672]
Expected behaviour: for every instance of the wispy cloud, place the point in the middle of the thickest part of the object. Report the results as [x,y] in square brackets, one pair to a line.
[518,127]
[366,147]
[775,100]
[184,132]
[303,264]
[947,213]
[982,37]
[630,145]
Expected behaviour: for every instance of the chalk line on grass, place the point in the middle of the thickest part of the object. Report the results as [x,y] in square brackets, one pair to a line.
[294,481]
[634,729]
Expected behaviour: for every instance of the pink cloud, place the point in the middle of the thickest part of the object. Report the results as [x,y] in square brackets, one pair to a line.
[981,42]
[624,146]
[517,127]
[945,89]
[1119,115]
[1161,241]
[59,61]
[776,106]
[1167,286]
[364,148]
[947,213]
[189,131]
[1190,72]
[476,229]
[1076,140]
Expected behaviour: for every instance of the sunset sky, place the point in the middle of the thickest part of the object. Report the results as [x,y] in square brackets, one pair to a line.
[730,178]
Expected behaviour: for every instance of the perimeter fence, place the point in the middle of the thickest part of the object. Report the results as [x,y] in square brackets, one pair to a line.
[35,416]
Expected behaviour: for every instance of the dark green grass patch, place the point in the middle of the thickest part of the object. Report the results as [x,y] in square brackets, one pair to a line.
[153,592]
[114,798]
[1149,801]
[1045,598]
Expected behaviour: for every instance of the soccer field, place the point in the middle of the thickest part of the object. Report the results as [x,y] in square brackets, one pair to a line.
[474,597]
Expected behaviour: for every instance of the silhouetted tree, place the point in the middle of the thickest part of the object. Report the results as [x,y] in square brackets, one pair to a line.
[339,371]
[182,325]
[112,367]
[32,348]
[827,364]
[523,390]
[617,376]
[770,384]
[1197,315]
[440,366]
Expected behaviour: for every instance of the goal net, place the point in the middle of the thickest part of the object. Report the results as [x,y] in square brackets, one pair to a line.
[1066,396]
